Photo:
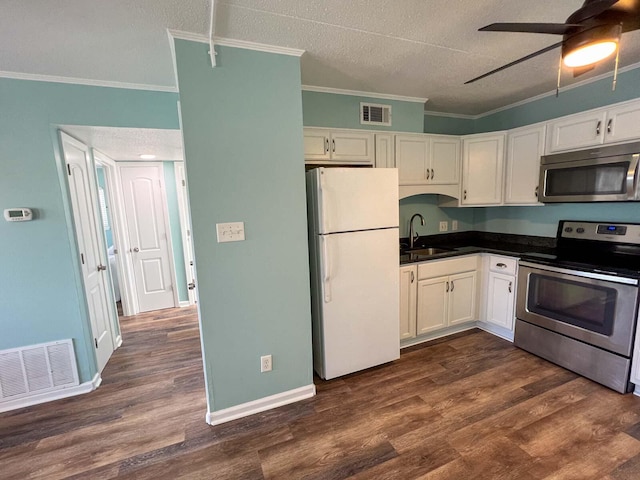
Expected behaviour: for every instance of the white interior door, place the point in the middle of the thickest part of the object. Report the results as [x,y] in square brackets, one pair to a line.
[185,226]
[83,193]
[146,219]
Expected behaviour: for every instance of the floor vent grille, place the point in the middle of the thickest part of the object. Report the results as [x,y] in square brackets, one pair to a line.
[37,369]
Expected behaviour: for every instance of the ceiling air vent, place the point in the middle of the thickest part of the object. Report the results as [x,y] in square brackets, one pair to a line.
[374,114]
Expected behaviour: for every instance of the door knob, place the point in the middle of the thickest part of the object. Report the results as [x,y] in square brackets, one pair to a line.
[101,268]
[136,249]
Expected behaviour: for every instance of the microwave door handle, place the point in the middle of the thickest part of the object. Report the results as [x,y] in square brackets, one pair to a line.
[632,178]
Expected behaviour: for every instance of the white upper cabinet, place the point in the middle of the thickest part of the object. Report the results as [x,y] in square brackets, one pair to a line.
[325,146]
[427,159]
[616,124]
[384,151]
[445,160]
[525,146]
[482,169]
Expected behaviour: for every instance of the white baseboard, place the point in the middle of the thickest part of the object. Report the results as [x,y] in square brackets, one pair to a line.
[83,388]
[435,335]
[118,341]
[260,405]
[497,331]
[184,304]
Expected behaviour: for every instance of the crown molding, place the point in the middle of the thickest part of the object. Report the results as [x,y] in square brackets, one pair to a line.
[358,93]
[86,81]
[230,42]
[451,115]
[597,78]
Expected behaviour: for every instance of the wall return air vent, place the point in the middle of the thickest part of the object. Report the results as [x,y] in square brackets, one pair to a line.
[374,114]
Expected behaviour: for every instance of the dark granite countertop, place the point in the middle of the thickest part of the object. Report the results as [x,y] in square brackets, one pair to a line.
[467,243]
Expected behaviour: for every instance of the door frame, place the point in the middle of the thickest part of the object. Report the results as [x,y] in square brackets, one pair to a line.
[129,280]
[63,137]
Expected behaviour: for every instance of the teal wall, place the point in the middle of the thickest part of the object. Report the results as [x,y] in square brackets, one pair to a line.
[427,206]
[40,285]
[242,126]
[176,233]
[574,100]
[343,111]
[448,125]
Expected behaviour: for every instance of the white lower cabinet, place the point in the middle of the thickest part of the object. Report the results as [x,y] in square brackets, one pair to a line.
[635,364]
[443,295]
[408,292]
[499,294]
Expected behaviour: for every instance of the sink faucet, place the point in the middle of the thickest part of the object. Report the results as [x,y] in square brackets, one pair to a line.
[413,235]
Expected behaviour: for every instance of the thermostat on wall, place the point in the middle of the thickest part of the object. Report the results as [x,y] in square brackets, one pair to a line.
[18,214]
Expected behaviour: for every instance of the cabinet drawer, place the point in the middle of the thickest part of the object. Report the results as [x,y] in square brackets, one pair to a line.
[506,265]
[440,268]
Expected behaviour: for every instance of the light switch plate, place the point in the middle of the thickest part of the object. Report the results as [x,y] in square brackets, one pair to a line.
[230,232]
[454,225]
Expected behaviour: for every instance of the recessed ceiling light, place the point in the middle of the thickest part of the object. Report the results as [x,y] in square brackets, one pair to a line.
[147,156]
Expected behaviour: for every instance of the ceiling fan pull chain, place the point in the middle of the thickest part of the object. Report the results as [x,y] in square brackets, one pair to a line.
[559,74]
[615,70]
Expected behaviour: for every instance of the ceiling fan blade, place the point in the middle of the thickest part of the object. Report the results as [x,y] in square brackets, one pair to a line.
[515,62]
[577,71]
[590,9]
[551,28]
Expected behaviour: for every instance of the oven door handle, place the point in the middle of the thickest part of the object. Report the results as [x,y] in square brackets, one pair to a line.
[595,275]
[632,178]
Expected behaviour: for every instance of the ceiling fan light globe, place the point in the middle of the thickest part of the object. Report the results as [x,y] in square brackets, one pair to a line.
[590,53]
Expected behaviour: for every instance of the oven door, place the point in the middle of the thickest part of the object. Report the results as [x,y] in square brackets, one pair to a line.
[594,308]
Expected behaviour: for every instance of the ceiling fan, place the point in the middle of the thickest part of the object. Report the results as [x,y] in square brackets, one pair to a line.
[590,34]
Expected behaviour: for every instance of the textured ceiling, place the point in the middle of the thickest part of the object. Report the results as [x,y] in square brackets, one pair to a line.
[130,143]
[417,48]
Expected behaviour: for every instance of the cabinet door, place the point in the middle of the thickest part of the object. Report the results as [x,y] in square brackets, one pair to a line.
[462,298]
[575,132]
[352,147]
[482,170]
[316,144]
[623,123]
[445,160]
[501,293]
[412,159]
[384,151]
[432,304]
[524,148]
[408,305]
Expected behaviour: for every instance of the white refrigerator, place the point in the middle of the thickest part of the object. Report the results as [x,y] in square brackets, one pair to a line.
[353,243]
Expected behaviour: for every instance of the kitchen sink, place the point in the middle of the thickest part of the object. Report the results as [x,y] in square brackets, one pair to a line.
[428,251]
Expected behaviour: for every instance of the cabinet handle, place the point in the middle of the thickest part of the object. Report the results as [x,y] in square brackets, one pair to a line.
[427,174]
[598,127]
[537,188]
[452,285]
[433,174]
[333,142]
[326,145]
[609,125]
[447,287]
[501,265]
[510,285]
[412,277]
[465,195]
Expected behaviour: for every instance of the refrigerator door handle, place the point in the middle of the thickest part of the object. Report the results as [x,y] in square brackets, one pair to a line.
[326,273]
[321,221]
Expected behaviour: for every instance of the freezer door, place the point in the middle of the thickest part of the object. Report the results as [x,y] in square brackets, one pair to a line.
[350,199]
[358,299]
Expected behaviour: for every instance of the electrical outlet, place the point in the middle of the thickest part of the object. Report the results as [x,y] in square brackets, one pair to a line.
[444,226]
[454,225]
[265,363]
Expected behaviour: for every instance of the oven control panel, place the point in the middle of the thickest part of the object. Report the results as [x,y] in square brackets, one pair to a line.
[600,231]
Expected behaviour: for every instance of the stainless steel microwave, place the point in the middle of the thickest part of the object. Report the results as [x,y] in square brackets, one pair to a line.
[605,174]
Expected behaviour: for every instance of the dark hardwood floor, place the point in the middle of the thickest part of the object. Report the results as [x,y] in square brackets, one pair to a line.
[471,406]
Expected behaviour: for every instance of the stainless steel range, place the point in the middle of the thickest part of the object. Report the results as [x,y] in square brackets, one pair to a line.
[579,308]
